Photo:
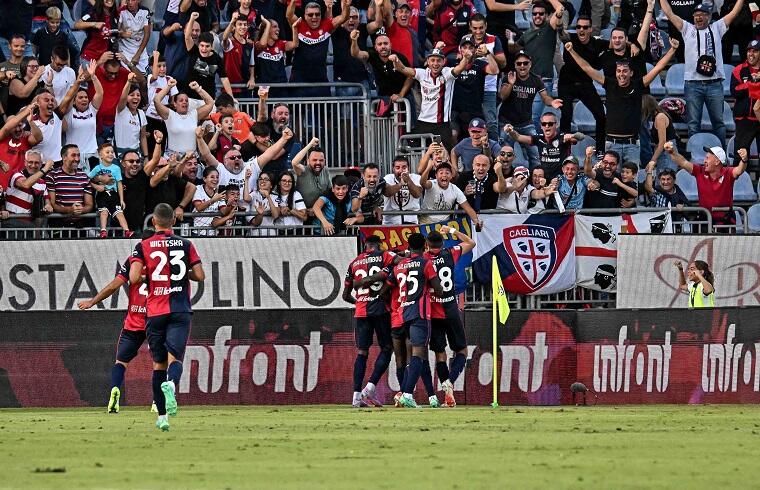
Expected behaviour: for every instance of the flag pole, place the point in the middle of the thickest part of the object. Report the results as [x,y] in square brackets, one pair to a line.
[495,402]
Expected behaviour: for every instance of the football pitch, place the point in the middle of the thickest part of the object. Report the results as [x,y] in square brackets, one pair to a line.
[337,447]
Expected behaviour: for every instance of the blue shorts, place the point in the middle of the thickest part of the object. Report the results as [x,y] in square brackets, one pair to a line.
[419,332]
[168,334]
[380,325]
[129,344]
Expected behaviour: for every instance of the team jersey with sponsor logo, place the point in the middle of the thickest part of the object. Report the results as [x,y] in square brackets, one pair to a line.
[138,298]
[309,59]
[445,261]
[412,279]
[397,313]
[167,259]
[368,303]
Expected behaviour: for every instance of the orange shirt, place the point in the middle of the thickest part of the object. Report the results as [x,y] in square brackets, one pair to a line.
[241,125]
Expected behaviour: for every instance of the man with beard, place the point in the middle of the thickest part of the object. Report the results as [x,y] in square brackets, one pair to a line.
[390,83]
[469,86]
[404,193]
[703,71]
[553,146]
[624,101]
[608,178]
[136,182]
[313,179]
[395,23]
[278,120]
[437,86]
[450,22]
[69,189]
[347,69]
[519,92]
[494,47]
[15,141]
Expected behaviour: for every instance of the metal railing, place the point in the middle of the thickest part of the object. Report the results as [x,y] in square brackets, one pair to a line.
[347,126]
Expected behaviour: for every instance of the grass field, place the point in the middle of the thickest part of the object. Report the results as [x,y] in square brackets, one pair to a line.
[336,447]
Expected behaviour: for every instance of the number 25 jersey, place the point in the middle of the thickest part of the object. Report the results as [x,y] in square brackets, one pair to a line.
[167,259]
[412,278]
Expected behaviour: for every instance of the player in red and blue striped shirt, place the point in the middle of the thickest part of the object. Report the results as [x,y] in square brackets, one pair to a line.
[371,315]
[170,263]
[446,320]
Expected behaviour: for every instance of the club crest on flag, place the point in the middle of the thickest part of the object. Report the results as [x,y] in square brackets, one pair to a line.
[533,252]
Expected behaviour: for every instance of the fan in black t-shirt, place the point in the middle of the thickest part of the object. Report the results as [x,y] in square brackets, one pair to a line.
[553,146]
[204,65]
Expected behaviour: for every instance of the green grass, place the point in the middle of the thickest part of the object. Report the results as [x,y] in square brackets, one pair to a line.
[336,447]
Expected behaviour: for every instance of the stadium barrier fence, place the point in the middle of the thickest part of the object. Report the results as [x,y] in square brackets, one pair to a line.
[242,357]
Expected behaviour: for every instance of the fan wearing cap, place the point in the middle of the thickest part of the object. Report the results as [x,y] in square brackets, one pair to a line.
[476,144]
[623,101]
[745,87]
[518,93]
[521,197]
[469,85]
[442,195]
[437,87]
[715,181]
[703,71]
[450,22]
[571,186]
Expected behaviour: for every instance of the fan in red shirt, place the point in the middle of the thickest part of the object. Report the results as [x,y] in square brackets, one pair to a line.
[715,181]
[132,333]
[237,53]
[414,277]
[371,316]
[14,142]
[170,263]
[446,320]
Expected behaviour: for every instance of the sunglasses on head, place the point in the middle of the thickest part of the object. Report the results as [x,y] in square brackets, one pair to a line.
[547,124]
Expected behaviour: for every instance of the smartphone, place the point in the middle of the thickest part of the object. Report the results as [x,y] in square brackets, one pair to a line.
[437,139]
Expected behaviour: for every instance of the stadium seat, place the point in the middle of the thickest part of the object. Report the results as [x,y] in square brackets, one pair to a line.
[727,69]
[739,222]
[744,191]
[697,142]
[674,79]
[688,184]
[606,34]
[641,176]
[522,21]
[731,148]
[656,87]
[753,218]
[600,89]
[728,118]
[579,149]
[520,157]
[583,118]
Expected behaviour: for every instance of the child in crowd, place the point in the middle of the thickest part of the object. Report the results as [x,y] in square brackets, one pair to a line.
[333,209]
[628,188]
[110,197]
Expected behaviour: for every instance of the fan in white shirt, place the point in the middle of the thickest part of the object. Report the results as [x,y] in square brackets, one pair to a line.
[441,194]
[263,202]
[136,21]
[405,192]
[58,74]
[80,115]
[182,122]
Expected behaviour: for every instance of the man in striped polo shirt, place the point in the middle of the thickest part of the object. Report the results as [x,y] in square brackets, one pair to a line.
[26,196]
[70,190]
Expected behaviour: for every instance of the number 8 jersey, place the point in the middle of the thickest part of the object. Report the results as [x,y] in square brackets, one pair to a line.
[167,260]
[368,303]
[445,261]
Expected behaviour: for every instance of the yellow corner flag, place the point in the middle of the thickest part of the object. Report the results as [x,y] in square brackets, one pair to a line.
[501,305]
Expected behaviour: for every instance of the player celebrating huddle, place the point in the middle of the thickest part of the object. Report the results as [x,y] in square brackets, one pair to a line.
[372,315]
[446,317]
[414,276]
[132,333]
[170,262]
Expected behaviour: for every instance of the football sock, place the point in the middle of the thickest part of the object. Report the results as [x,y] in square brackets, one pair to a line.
[360,366]
[159,376]
[381,366]
[442,370]
[457,366]
[400,373]
[427,379]
[412,374]
[174,373]
[117,375]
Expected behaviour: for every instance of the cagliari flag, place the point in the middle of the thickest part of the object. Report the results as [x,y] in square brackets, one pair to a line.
[596,244]
[535,253]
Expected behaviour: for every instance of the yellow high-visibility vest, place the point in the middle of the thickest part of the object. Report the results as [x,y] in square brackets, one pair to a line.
[697,298]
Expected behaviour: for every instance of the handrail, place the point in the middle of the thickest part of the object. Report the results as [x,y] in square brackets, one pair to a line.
[291,85]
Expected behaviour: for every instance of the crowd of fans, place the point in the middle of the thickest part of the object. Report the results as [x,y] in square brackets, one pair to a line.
[111,128]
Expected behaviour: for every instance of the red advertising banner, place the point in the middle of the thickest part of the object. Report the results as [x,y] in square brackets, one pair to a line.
[289,357]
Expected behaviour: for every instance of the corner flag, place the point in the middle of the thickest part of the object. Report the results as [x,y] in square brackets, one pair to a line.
[501,304]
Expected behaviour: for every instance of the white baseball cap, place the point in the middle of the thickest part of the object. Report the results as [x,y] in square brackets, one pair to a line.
[717,151]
